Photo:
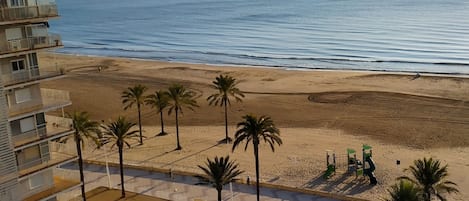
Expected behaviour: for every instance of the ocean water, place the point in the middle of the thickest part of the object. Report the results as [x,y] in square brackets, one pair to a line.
[381,35]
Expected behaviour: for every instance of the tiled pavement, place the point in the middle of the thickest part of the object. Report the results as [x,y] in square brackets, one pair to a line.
[177,187]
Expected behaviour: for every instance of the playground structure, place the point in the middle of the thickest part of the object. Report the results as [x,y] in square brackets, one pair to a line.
[349,161]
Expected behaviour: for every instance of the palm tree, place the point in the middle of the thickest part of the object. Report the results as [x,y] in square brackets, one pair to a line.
[404,191]
[179,97]
[255,130]
[431,178]
[118,133]
[159,101]
[84,128]
[219,172]
[131,96]
[226,86]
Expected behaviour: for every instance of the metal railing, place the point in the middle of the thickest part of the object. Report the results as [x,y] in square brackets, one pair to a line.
[30,43]
[29,75]
[28,12]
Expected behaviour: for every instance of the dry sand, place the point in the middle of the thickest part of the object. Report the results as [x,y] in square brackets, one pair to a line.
[401,117]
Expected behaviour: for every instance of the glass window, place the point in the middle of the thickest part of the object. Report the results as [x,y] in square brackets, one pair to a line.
[27,124]
[36,181]
[40,119]
[33,60]
[17,65]
[22,95]
[17,2]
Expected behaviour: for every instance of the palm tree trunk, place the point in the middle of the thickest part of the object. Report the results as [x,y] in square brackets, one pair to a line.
[80,165]
[427,195]
[162,123]
[219,193]
[140,124]
[256,156]
[121,165]
[226,124]
[177,131]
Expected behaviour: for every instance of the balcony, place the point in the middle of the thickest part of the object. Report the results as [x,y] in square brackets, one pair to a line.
[64,180]
[31,43]
[54,128]
[59,153]
[52,99]
[31,75]
[23,14]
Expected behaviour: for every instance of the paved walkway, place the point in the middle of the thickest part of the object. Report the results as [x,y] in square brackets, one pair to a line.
[178,187]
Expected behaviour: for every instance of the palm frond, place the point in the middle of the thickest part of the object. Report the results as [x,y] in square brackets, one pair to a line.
[220,171]
[404,190]
[84,128]
[133,95]
[119,131]
[226,87]
[431,178]
[180,98]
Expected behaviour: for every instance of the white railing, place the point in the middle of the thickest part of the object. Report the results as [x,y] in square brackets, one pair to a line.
[59,122]
[27,12]
[51,99]
[66,174]
[51,40]
[52,96]
[63,180]
[66,148]
[29,75]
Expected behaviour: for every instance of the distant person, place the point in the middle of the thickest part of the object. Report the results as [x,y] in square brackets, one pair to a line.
[416,76]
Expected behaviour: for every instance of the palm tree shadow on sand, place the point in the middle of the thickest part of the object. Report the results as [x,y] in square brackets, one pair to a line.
[341,183]
[190,155]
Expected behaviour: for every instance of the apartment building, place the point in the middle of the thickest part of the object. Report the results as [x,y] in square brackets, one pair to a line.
[31,117]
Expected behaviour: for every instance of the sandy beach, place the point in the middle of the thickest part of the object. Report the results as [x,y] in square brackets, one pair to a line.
[403,117]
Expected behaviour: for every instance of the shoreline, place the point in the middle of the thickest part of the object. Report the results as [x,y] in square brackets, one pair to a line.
[287,68]
[401,117]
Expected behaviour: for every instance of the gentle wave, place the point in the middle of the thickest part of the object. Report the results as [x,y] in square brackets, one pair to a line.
[394,35]
[351,58]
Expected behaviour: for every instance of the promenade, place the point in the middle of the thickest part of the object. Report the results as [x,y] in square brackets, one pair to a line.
[176,187]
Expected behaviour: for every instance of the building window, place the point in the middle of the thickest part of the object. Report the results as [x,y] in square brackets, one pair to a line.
[28,157]
[32,58]
[27,124]
[16,3]
[40,119]
[36,181]
[17,65]
[22,95]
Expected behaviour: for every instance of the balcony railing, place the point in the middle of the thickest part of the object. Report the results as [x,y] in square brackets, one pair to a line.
[59,153]
[51,99]
[31,43]
[55,127]
[64,180]
[54,96]
[27,12]
[29,75]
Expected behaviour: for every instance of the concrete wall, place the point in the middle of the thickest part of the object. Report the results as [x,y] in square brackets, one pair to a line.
[8,171]
[5,64]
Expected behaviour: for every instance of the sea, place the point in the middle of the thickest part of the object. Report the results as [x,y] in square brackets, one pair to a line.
[426,36]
